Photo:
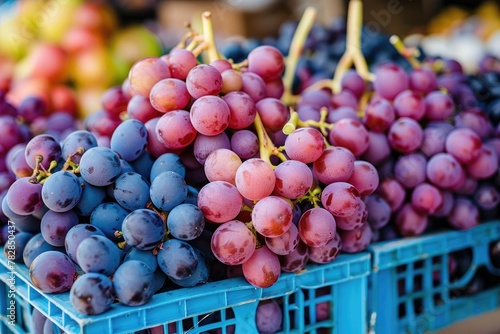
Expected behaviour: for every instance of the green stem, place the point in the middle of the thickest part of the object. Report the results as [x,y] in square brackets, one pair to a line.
[208,35]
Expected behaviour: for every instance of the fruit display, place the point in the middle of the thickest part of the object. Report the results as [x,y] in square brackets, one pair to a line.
[207,163]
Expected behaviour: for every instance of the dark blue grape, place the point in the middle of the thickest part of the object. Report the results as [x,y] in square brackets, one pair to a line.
[177,259]
[98,254]
[192,195]
[52,272]
[168,162]
[36,246]
[92,294]
[108,217]
[168,190]
[143,164]
[131,190]
[91,197]
[81,139]
[186,222]
[141,255]
[143,229]
[45,146]
[199,276]
[100,166]
[75,235]
[133,283]
[55,225]
[129,139]
[61,191]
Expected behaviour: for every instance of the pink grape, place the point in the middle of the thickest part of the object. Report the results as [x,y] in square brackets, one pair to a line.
[487,197]
[221,65]
[438,106]
[446,205]
[255,179]
[231,81]
[466,186]
[305,145]
[273,113]
[486,164]
[268,316]
[378,150]
[364,178]
[174,130]
[464,144]
[242,110]
[423,80]
[340,198]
[24,197]
[293,179]
[335,115]
[351,134]
[154,146]
[296,260]
[379,211]
[210,115]
[434,139]
[409,222]
[140,108]
[266,61]
[114,100]
[390,80]
[263,268]
[344,98]
[317,227]
[443,170]
[464,215]
[204,145]
[392,192]
[221,165]
[409,104]
[145,73]
[328,252]
[45,146]
[219,201]
[203,80]
[476,120]
[353,82]
[272,216]
[426,198]
[334,165]
[254,86]
[405,135]
[379,115]
[275,88]
[180,62]
[356,240]
[358,218]
[169,94]
[233,243]
[410,169]
[245,144]
[285,243]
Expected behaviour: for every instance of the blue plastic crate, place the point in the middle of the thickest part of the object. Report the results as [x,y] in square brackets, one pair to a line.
[225,306]
[426,283]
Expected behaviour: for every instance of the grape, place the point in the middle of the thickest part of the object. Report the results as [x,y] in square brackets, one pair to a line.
[45,146]
[335,115]
[379,115]
[192,195]
[486,196]
[392,192]
[24,197]
[76,140]
[221,165]
[168,190]
[378,150]
[75,235]
[37,321]
[18,165]
[100,166]
[341,199]
[464,145]
[31,108]
[356,240]
[92,294]
[273,113]
[115,100]
[131,190]
[140,108]
[144,256]
[143,165]
[102,124]
[10,128]
[486,164]
[390,80]
[167,162]
[52,272]
[334,165]
[210,115]
[14,246]
[61,191]
[272,216]
[180,62]
[108,217]
[242,109]
[443,170]
[262,269]
[328,252]
[466,186]
[476,120]
[132,282]
[145,73]
[285,243]
[344,99]
[98,254]
[91,197]
[426,198]
[446,205]
[233,243]
[410,170]
[129,139]
[231,81]
[154,146]
[293,179]
[55,225]
[434,139]
[464,215]
[268,316]
[353,82]
[266,61]
[169,94]
[438,106]
[409,222]
[410,104]
[219,201]
[423,80]
[174,129]
[185,222]
[364,178]
[355,220]
[275,88]
[379,211]
[405,135]
[204,145]
[255,179]
[199,276]
[177,259]
[351,134]
[143,229]
[245,144]
[221,65]
[317,227]
[254,86]
[296,260]
[203,80]
[305,145]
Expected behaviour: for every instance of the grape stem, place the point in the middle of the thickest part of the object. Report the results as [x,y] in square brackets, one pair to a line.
[312,196]
[208,34]
[294,122]
[409,53]
[266,146]
[296,50]
[252,229]
[352,54]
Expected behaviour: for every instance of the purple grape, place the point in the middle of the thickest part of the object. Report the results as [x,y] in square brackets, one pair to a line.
[53,272]
[92,294]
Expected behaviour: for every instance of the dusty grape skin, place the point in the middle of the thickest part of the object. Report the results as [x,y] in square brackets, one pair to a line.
[336,164]
[317,227]
[285,243]
[168,190]
[379,211]
[233,243]
[242,109]
[405,135]
[272,216]
[293,179]
[255,179]
[98,254]
[410,222]
[379,115]
[145,73]
[356,240]
[464,215]
[132,282]
[36,246]
[177,259]
[296,260]
[210,115]
[43,145]
[340,198]
[143,229]
[350,134]
[410,170]
[24,197]
[75,140]
[219,201]
[55,225]
[75,235]
[305,145]
[221,165]
[129,139]
[328,252]
[355,220]
[100,166]
[443,170]
[169,94]
[61,191]
[92,294]
[263,268]
[268,316]
[174,130]
[266,61]
[203,80]
[364,178]
[52,272]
